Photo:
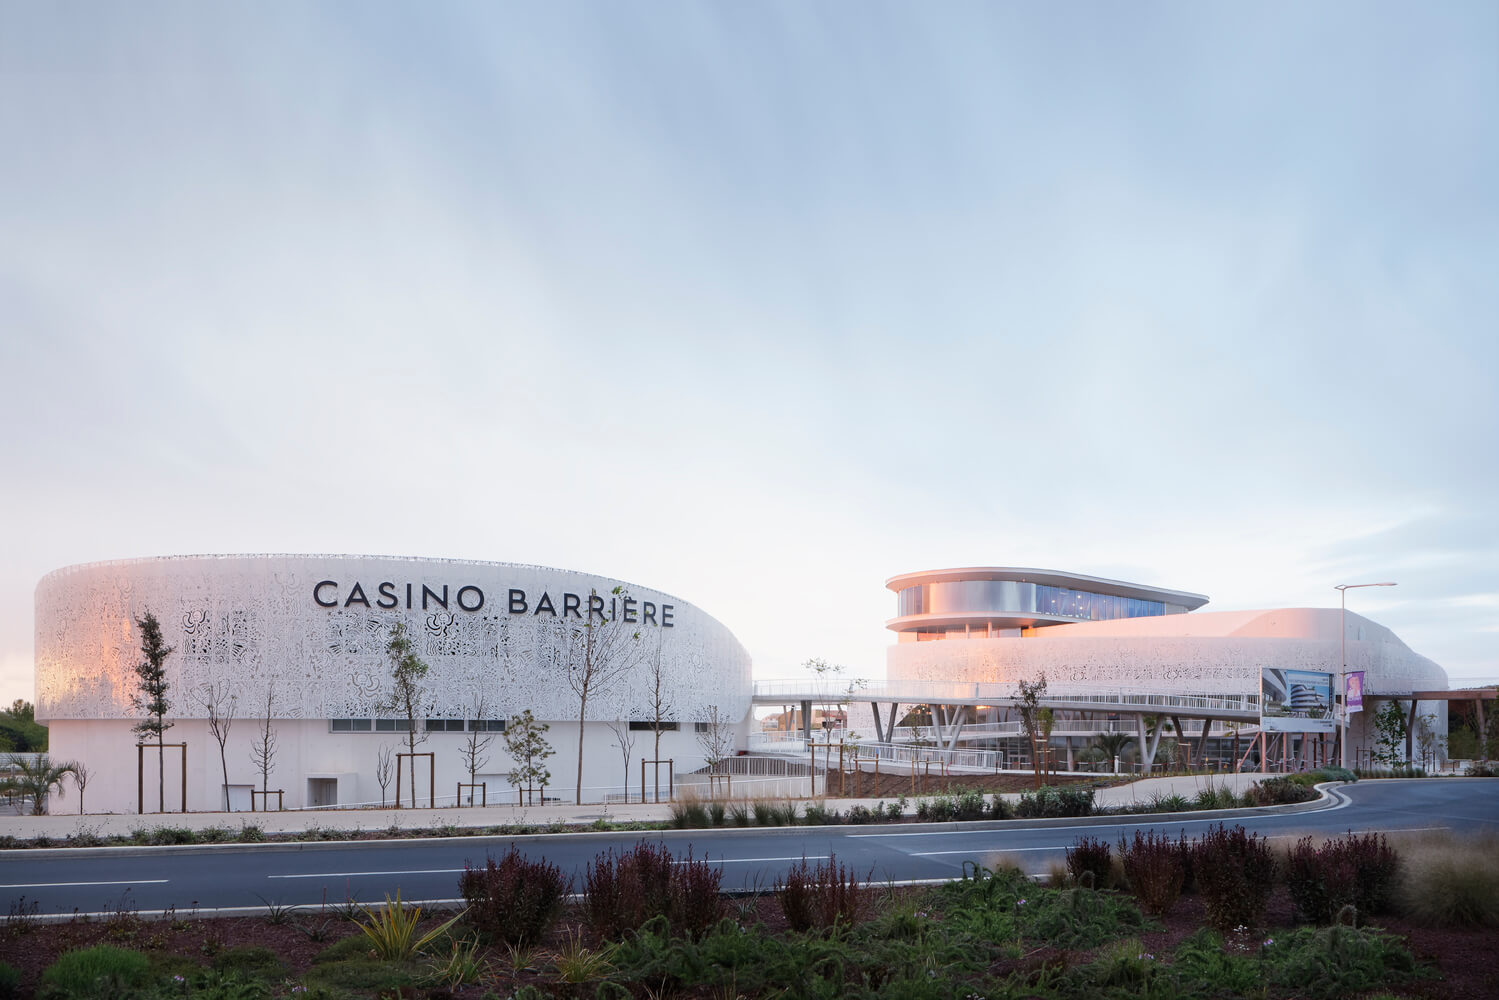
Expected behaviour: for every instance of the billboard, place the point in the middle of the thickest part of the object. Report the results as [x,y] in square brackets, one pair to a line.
[1295,701]
[1353,695]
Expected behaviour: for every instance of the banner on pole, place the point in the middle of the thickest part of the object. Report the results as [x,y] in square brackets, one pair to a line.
[1295,701]
[1353,695]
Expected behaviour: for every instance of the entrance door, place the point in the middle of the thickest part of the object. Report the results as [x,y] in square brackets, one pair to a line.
[322,791]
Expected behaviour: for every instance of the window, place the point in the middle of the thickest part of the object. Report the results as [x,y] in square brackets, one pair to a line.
[701,727]
[644,725]
[392,725]
[349,725]
[486,725]
[444,725]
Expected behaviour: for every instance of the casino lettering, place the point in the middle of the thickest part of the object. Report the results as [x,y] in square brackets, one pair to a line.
[389,595]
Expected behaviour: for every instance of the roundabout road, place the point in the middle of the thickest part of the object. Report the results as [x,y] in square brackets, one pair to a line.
[230,877]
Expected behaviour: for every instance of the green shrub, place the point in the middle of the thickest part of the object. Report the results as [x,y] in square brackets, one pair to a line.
[969,805]
[1050,801]
[1336,961]
[765,812]
[858,815]
[818,814]
[784,813]
[895,810]
[104,972]
[688,812]
[10,981]
[212,984]
[1277,792]
[253,960]
[1483,769]
[1000,808]
[739,813]
[716,812]
[1235,872]
[515,901]
[1169,803]
[1200,958]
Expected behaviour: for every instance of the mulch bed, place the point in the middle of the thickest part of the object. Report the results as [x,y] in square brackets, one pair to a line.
[1467,961]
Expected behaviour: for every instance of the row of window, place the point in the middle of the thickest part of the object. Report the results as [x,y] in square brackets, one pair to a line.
[1013,597]
[468,725]
[404,725]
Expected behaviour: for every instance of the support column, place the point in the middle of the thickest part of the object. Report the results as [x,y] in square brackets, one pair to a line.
[806,720]
[1410,731]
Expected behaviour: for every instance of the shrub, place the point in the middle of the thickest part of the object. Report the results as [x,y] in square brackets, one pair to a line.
[784,813]
[1447,882]
[10,981]
[1091,858]
[251,960]
[1356,870]
[103,971]
[765,812]
[622,892]
[1050,801]
[1336,961]
[1169,803]
[895,810]
[1277,792]
[716,812]
[688,812]
[1000,808]
[515,901]
[1234,871]
[969,805]
[858,815]
[822,896]
[1154,870]
[818,814]
[392,930]
[739,813]
[1483,769]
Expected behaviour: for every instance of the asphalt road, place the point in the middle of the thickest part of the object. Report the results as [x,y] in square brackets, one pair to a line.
[211,877]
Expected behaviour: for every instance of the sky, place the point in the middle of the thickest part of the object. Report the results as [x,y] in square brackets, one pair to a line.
[762,304]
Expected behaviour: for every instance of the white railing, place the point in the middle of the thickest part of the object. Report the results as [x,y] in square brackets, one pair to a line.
[948,692]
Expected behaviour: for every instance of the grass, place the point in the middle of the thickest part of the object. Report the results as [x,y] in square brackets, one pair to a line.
[1447,881]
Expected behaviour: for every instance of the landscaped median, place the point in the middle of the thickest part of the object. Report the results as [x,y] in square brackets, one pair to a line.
[1218,915]
[1075,799]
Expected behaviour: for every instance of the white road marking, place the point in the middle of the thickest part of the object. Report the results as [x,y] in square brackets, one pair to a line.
[413,871]
[750,861]
[58,885]
[991,850]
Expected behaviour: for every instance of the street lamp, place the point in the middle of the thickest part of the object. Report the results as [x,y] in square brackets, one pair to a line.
[1343,589]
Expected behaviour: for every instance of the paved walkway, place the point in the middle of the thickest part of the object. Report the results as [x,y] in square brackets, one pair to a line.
[61,825]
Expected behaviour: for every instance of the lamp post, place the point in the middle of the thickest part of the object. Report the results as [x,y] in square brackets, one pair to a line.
[1343,589]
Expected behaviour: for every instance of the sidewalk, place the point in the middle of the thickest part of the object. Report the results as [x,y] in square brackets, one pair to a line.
[59,826]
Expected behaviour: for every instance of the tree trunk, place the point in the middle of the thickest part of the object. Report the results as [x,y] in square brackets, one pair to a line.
[582,714]
[161,771]
[225,765]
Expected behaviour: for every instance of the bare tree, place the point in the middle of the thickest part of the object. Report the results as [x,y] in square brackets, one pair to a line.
[475,749]
[385,770]
[219,704]
[407,671]
[716,738]
[624,740]
[151,697]
[80,778]
[598,651]
[263,750]
[661,707]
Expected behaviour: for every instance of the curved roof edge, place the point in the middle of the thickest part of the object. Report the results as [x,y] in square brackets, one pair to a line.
[1050,578]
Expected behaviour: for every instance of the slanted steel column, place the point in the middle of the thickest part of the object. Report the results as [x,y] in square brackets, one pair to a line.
[806,720]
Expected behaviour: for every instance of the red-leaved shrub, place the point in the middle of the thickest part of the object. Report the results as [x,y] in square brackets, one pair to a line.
[515,901]
[821,896]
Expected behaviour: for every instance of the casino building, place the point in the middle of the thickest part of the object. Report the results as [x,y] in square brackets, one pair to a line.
[310,632]
[1086,635]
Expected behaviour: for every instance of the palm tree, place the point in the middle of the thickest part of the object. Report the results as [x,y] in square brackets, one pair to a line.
[1113,744]
[34,776]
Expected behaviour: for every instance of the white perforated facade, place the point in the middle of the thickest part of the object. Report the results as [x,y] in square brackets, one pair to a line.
[313,631]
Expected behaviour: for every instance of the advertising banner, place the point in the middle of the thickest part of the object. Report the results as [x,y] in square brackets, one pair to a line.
[1295,701]
[1353,696]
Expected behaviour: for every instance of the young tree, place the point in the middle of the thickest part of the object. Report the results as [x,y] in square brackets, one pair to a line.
[475,749]
[385,770]
[406,671]
[1113,745]
[19,730]
[80,778]
[624,741]
[716,739]
[1030,716]
[1390,733]
[525,742]
[263,750]
[599,651]
[150,696]
[219,704]
[661,707]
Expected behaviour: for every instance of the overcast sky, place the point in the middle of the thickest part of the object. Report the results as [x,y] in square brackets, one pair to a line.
[761,304]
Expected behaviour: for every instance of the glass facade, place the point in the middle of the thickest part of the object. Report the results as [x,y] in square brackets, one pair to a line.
[1013,598]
